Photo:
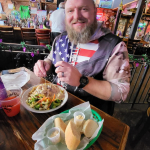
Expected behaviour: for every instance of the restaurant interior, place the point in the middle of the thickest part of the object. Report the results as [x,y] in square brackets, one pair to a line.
[25,40]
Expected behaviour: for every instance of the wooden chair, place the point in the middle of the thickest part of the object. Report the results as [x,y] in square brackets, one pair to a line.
[125,40]
[28,36]
[7,34]
[43,36]
[132,45]
[144,43]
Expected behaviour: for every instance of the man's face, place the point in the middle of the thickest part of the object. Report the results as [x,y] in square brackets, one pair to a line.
[79,14]
[80,20]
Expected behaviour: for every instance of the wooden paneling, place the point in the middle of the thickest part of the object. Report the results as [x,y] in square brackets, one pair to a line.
[5,6]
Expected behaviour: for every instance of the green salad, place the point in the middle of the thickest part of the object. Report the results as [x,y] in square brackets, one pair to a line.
[40,102]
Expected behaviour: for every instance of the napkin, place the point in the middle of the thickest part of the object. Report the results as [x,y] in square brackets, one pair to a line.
[18,79]
[43,143]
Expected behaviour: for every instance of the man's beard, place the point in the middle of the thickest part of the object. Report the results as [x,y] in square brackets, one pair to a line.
[84,35]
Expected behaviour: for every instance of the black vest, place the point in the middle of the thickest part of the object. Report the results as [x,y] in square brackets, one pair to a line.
[106,46]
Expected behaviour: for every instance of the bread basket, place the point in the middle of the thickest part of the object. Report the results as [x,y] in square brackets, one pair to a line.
[98,118]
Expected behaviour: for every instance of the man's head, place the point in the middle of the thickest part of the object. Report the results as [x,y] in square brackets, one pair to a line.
[62,5]
[80,20]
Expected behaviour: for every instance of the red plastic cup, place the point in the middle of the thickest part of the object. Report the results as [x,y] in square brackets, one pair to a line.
[11,105]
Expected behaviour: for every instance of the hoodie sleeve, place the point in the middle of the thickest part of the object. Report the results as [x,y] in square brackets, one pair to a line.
[117,72]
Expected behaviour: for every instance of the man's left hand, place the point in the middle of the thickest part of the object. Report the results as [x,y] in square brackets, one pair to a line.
[68,73]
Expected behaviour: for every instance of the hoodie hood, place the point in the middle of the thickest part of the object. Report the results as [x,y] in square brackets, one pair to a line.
[100,31]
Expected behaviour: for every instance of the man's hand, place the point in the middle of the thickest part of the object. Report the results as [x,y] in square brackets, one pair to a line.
[41,67]
[68,73]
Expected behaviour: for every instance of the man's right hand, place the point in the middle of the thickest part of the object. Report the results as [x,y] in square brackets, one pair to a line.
[41,67]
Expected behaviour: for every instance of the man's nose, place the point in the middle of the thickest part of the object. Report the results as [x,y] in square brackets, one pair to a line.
[77,14]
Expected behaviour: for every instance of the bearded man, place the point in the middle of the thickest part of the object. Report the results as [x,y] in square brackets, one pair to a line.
[87,59]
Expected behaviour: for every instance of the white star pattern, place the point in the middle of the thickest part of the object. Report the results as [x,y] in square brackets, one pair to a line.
[66,50]
[60,40]
[71,47]
[55,52]
[56,44]
[53,59]
[58,48]
[60,53]
[63,45]
[63,58]
[67,55]
[66,37]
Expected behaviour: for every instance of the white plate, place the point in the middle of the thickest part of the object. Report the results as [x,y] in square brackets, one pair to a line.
[25,97]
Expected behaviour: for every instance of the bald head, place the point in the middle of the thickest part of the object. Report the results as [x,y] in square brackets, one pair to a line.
[92,2]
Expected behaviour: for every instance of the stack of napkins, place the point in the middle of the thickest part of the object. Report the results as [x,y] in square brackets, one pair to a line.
[18,79]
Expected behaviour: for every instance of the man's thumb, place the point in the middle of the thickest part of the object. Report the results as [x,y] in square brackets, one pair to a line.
[46,66]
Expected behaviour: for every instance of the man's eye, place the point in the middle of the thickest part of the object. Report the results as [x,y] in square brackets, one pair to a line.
[85,9]
[70,11]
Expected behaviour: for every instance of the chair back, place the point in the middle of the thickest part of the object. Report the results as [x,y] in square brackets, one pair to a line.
[125,40]
[43,36]
[7,34]
[132,45]
[28,35]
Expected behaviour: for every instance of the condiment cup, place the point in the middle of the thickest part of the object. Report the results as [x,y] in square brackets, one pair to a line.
[56,138]
[76,120]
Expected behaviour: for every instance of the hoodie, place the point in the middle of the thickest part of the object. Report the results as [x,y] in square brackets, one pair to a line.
[99,66]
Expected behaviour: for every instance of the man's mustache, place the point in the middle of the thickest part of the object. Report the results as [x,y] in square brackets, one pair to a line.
[78,20]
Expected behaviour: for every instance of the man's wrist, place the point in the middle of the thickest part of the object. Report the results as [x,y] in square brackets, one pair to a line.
[83,81]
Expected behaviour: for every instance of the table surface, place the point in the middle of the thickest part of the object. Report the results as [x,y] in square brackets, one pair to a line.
[16,132]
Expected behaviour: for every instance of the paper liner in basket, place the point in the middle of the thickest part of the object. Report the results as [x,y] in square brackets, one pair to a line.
[43,143]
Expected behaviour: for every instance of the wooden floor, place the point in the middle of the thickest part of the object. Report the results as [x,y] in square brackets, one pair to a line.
[131,117]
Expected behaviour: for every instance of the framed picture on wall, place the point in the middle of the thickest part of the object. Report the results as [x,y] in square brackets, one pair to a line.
[106,3]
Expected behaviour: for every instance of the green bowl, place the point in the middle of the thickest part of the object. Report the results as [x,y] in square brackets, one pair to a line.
[98,118]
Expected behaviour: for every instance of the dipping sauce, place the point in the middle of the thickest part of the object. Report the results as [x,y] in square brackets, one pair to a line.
[79,117]
[54,133]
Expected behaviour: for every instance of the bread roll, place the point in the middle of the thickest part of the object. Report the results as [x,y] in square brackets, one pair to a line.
[89,127]
[72,136]
[80,128]
[60,124]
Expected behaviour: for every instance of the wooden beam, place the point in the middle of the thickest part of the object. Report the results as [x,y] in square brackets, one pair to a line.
[117,20]
[137,17]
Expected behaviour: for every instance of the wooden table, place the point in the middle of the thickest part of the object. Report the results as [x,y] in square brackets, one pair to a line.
[16,132]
